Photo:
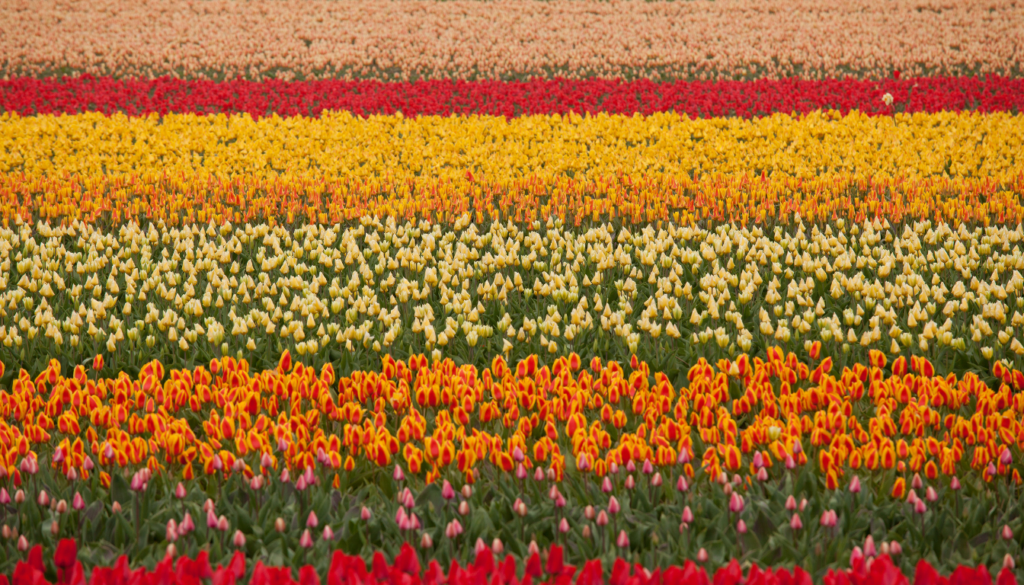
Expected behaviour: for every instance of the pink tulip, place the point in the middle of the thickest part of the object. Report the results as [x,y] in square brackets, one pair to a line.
[563,526]
[797,447]
[426,541]
[398,475]
[285,476]
[648,467]
[623,540]
[795,522]
[306,540]
[5,498]
[517,455]
[803,504]
[521,472]
[920,507]
[916,483]
[582,462]
[758,460]
[497,547]
[869,547]
[238,540]
[172,530]
[1008,562]
[533,548]
[630,482]
[77,502]
[479,547]
[895,548]
[218,463]
[300,484]
[762,474]
[88,465]
[954,484]
[43,498]
[656,480]
[312,520]
[736,503]
[855,485]
[222,524]
[463,508]
[265,461]
[72,474]
[606,485]
[364,514]
[328,533]
[179,491]
[856,555]
[447,491]
[682,485]
[790,462]
[613,506]
[22,543]
[931,495]
[702,555]
[602,518]
[741,527]
[1005,457]
[211,519]
[58,456]
[1007,532]
[684,456]
[791,503]
[991,471]
[538,474]
[687,515]
[630,466]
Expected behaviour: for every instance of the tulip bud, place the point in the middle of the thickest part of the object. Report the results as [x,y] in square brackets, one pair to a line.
[630,482]
[702,555]
[398,474]
[797,447]
[1005,457]
[741,527]
[238,540]
[869,547]
[790,462]
[1008,562]
[72,474]
[803,504]
[727,489]
[312,520]
[22,543]
[463,507]
[521,472]
[795,522]
[306,540]
[656,480]
[895,548]
[222,524]
[187,525]
[88,465]
[538,474]
[364,514]
[517,455]
[613,506]
[931,495]
[855,485]
[602,518]
[687,515]
[736,503]
[5,498]
[762,474]
[467,490]
[279,525]
[550,474]
[758,460]
[606,485]
[171,550]
[563,526]
[630,466]
[648,467]
[954,484]
[328,532]
[1007,532]
[172,530]
[623,540]
[447,491]
[682,485]
[43,499]
[533,548]
[916,483]
[920,507]
[586,532]
[62,507]
[55,528]
[426,541]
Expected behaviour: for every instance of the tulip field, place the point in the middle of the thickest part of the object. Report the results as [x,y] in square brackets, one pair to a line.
[490,293]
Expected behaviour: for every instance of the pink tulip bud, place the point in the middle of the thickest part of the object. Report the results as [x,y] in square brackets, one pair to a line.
[187,524]
[77,502]
[279,525]
[72,474]
[790,462]
[533,548]
[613,468]
[238,466]
[218,463]
[467,491]
[312,521]
[684,456]
[856,555]
[398,474]
[656,480]
[602,518]
[762,474]
[538,474]
[613,506]
[630,482]
[282,445]
[179,491]
[563,526]
[1007,532]
[172,530]
[931,495]
[883,549]
[589,513]
[648,467]
[88,465]
[463,508]
[606,485]
[954,484]
[582,462]
[497,547]
[19,497]
[328,533]
[920,507]
[869,547]
[136,484]
[62,507]
[727,489]
[364,514]
[285,476]
[623,540]
[736,503]
[741,527]
[306,540]
[916,483]
[803,504]
[517,455]
[855,485]
[702,555]
[687,515]
[22,543]
[447,491]
[682,485]
[5,498]
[991,471]
[1008,562]
[266,461]
[560,501]
[222,524]
[426,541]
[912,497]
[58,456]
[824,519]
[1006,457]
[211,519]
[108,451]
[758,460]
[521,472]
[209,506]
[238,540]
[795,522]
[791,503]
[479,547]
[256,482]
[630,466]
[895,548]
[43,498]
[550,474]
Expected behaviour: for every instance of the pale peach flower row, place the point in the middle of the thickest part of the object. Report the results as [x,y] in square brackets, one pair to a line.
[510,39]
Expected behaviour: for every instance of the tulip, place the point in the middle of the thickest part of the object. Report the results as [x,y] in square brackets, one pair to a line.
[279,525]
[741,527]
[736,503]
[790,462]
[479,547]
[791,503]
[447,491]
[328,533]
[687,515]
[1005,457]
[77,502]
[856,555]
[398,474]
[467,490]
[179,491]
[238,540]
[426,541]
[623,540]
[222,524]
[265,461]
[517,455]
[630,482]
[931,495]
[300,484]
[463,508]
[312,521]
[702,555]
[72,474]
[855,485]
[19,497]
[630,466]
[758,460]
[453,529]
[920,507]
[211,519]
[762,475]
[43,499]
[497,547]
[364,514]
[883,549]
[88,465]
[586,532]
[22,543]
[538,474]
[869,547]
[521,472]
[895,548]
[1008,562]
[62,507]
[916,483]
[5,532]
[1007,532]
[684,456]
[656,480]
[648,467]
[5,498]
[532,549]
[563,526]
[803,504]
[613,506]
[172,530]
[682,485]
[797,447]
[991,471]
[602,518]
[306,540]
[285,476]
[606,485]
[954,484]
[795,522]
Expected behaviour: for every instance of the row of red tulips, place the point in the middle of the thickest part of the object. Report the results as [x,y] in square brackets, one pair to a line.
[27,96]
[485,569]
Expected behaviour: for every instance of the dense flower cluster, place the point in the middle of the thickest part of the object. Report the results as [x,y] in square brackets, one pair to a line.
[745,99]
[487,40]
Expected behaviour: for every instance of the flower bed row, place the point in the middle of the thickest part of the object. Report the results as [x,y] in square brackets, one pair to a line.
[412,40]
[29,96]
[469,291]
[487,566]
[771,461]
